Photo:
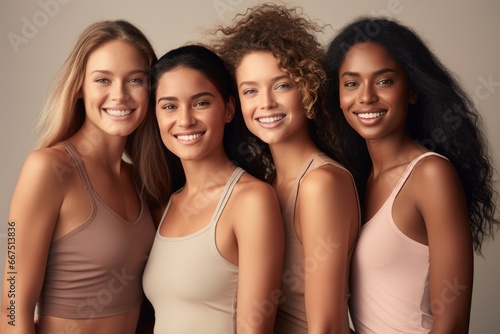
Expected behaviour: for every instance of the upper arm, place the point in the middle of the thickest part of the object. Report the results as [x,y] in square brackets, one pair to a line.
[33,213]
[327,214]
[441,202]
[260,237]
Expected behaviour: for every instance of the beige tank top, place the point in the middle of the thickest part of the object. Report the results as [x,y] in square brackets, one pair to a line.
[96,269]
[291,317]
[192,288]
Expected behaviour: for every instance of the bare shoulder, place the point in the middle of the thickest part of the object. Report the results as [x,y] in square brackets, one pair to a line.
[327,178]
[434,171]
[435,180]
[48,169]
[251,191]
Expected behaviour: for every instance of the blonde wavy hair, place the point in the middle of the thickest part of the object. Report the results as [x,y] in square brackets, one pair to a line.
[64,113]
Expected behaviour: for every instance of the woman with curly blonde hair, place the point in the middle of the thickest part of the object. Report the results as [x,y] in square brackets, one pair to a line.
[275,59]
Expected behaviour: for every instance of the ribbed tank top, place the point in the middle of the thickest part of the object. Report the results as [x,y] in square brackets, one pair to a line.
[192,288]
[291,316]
[390,274]
[96,269]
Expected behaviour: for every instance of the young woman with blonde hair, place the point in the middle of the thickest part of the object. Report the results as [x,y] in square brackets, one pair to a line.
[82,228]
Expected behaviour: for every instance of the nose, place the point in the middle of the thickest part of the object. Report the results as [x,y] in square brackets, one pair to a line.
[267,101]
[367,94]
[186,118]
[119,92]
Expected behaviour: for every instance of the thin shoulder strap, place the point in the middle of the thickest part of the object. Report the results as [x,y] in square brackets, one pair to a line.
[79,163]
[228,189]
[408,171]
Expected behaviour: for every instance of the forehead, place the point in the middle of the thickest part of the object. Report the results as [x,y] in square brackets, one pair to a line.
[116,54]
[184,78]
[258,65]
[368,56]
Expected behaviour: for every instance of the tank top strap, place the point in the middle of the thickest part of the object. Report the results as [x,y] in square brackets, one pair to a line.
[79,163]
[226,193]
[408,171]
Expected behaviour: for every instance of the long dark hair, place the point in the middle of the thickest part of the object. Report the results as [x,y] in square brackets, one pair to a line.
[442,106]
[168,175]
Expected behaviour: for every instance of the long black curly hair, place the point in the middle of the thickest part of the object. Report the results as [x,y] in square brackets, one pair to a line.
[443,119]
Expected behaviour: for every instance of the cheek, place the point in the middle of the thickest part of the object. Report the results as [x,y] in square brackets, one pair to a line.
[141,96]
[345,100]
[162,124]
[246,110]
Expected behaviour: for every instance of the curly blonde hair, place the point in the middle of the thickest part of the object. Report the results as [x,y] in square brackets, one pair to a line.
[290,36]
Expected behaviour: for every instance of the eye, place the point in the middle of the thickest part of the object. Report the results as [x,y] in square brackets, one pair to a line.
[136,80]
[169,107]
[201,104]
[249,91]
[282,86]
[350,84]
[385,82]
[102,80]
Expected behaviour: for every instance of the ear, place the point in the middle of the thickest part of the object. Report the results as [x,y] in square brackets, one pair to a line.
[230,109]
[413,97]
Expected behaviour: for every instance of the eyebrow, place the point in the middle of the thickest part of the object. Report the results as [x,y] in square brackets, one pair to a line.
[280,77]
[194,97]
[110,72]
[379,72]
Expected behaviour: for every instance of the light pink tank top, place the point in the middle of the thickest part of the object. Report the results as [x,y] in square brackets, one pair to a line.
[291,316]
[390,275]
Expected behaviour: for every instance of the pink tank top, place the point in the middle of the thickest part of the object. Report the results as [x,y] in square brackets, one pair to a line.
[291,316]
[390,275]
[96,269]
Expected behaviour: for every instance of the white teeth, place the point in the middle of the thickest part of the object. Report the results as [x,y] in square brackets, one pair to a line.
[189,137]
[114,112]
[371,114]
[270,119]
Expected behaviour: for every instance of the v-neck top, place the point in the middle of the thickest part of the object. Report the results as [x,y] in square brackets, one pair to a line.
[96,269]
[390,274]
[291,316]
[191,286]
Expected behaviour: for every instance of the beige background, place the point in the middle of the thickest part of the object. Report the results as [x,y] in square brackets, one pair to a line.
[465,35]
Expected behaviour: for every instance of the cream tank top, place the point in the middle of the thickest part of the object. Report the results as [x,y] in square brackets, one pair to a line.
[192,288]
[390,274]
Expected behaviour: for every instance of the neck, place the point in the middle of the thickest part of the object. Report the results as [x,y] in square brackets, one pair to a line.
[392,151]
[290,156]
[101,147]
[207,173]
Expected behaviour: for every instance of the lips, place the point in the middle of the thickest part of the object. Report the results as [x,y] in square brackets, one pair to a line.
[272,119]
[118,112]
[370,115]
[189,137]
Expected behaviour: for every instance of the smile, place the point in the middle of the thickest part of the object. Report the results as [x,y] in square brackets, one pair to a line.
[369,115]
[116,112]
[189,137]
[270,119]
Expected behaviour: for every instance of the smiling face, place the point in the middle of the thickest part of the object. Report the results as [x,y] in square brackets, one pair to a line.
[191,113]
[374,92]
[270,100]
[115,88]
